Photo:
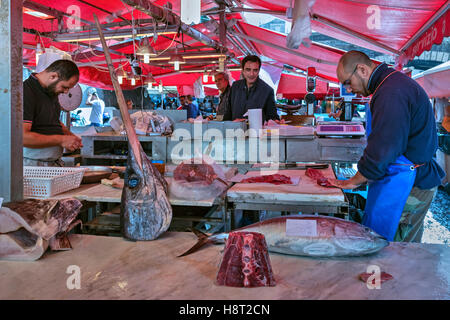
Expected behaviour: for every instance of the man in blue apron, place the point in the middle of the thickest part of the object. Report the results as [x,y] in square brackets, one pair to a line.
[398,161]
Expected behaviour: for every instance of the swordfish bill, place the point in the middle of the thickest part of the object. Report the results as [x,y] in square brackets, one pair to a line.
[145,210]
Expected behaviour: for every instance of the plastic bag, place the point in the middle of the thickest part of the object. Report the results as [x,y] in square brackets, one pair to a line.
[199,178]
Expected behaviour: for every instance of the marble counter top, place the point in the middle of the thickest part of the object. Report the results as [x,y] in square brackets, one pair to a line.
[114,268]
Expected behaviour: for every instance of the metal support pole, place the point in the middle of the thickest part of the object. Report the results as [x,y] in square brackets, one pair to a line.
[11,111]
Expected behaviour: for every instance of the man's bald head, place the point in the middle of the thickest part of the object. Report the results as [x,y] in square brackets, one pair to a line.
[351,58]
[354,70]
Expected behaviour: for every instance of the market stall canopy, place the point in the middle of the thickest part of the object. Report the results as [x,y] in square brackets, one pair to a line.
[435,80]
[405,27]
[294,87]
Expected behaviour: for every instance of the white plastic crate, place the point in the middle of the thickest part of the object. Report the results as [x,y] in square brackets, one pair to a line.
[45,182]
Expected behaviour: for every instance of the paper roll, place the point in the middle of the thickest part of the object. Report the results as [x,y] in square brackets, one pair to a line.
[254,122]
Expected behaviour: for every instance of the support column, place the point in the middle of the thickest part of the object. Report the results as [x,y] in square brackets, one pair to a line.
[11,109]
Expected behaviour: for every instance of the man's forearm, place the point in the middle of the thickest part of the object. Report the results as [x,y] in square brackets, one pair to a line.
[65,130]
[37,140]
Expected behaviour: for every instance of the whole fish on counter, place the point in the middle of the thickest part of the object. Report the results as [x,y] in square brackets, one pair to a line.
[146,212]
[307,235]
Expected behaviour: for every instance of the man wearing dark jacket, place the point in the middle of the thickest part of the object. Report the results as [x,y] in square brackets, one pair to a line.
[398,161]
[251,93]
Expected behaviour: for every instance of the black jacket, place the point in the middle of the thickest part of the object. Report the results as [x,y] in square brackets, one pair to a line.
[259,96]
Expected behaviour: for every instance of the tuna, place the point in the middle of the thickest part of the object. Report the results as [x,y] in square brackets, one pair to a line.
[146,212]
[29,227]
[307,235]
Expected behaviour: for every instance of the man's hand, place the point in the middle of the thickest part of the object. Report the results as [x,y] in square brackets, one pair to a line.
[71,142]
[352,183]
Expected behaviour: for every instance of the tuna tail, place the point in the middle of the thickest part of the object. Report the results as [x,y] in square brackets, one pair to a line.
[203,239]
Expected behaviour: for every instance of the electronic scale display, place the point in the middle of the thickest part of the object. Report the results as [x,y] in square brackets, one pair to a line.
[340,128]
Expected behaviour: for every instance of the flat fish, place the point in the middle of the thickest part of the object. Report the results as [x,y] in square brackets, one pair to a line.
[146,212]
[29,227]
[307,235]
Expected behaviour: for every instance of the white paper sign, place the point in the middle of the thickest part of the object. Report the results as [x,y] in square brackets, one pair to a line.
[301,228]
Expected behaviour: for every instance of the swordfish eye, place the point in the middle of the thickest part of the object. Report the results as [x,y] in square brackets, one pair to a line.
[133,181]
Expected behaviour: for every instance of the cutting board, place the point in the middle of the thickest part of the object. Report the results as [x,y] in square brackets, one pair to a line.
[307,190]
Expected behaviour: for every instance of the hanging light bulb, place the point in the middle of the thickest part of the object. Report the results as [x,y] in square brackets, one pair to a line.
[160,87]
[149,86]
[133,81]
[121,74]
[205,76]
[146,58]
[38,52]
[221,64]
[146,50]
[176,59]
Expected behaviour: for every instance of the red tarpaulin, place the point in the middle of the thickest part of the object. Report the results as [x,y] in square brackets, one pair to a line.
[385,26]
[435,81]
[404,27]
[294,87]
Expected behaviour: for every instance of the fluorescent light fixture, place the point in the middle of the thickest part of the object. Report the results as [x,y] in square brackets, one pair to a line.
[37,14]
[211,55]
[109,34]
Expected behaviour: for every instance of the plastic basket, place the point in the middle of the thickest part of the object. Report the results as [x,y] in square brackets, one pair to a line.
[45,182]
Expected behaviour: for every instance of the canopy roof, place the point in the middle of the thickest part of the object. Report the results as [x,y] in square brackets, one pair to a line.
[435,81]
[404,28]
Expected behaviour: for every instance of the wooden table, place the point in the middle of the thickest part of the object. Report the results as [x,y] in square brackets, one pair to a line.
[306,196]
[113,268]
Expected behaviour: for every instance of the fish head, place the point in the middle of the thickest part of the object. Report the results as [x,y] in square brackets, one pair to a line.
[359,239]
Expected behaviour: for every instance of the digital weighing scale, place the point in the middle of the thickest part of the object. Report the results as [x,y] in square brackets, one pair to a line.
[340,128]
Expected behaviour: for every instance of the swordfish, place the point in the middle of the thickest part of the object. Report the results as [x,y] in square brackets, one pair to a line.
[145,211]
[308,235]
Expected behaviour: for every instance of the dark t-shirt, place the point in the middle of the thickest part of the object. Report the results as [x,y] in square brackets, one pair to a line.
[40,109]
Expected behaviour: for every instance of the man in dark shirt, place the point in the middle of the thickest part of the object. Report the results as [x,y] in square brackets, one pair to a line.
[251,93]
[223,84]
[402,125]
[44,136]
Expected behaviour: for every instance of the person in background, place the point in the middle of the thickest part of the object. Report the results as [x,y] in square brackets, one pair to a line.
[182,102]
[398,161]
[251,93]
[129,104]
[98,107]
[192,110]
[44,136]
[223,84]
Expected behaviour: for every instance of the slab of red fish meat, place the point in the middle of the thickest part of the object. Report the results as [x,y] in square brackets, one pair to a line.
[272,178]
[383,277]
[245,261]
[195,172]
[319,177]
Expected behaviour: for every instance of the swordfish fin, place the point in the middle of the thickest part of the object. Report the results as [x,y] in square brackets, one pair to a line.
[203,239]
